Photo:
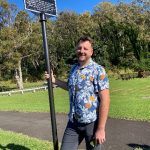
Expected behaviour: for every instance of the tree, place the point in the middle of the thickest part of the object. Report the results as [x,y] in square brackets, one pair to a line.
[65,36]
[7,12]
[124,30]
[13,45]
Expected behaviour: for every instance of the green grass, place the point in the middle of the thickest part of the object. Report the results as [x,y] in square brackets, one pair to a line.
[129,100]
[9,85]
[35,102]
[17,141]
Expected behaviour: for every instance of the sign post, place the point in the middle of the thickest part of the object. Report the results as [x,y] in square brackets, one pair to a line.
[46,8]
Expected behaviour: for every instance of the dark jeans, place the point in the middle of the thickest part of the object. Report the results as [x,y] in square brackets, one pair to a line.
[74,134]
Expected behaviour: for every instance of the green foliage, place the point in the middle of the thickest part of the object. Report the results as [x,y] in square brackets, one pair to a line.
[122,28]
[121,34]
[144,64]
[65,34]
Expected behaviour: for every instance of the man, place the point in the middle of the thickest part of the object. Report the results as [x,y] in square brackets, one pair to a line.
[88,87]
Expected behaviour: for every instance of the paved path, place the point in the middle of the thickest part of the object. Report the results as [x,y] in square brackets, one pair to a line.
[121,134]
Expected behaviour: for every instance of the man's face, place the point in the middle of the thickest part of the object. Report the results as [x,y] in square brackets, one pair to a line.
[84,51]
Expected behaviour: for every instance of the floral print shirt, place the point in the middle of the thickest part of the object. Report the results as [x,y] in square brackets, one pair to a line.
[84,83]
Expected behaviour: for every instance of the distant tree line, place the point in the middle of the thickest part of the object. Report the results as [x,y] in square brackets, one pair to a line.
[121,34]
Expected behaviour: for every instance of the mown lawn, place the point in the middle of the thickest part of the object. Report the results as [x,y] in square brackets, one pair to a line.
[129,100]
[15,141]
[34,102]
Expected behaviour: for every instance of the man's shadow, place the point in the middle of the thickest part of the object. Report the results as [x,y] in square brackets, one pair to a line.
[13,146]
[144,147]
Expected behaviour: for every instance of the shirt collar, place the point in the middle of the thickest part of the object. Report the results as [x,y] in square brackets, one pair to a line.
[89,64]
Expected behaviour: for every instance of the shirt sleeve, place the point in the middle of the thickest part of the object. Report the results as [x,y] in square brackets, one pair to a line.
[101,80]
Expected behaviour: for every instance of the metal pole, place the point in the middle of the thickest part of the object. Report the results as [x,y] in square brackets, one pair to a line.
[50,88]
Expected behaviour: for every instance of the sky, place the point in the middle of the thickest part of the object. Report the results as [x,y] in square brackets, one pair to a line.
[78,6]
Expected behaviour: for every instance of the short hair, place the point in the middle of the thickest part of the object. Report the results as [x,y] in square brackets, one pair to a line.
[84,39]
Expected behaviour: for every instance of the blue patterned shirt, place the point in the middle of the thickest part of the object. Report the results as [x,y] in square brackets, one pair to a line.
[84,83]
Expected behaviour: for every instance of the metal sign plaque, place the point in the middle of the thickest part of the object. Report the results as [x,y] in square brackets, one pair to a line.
[41,6]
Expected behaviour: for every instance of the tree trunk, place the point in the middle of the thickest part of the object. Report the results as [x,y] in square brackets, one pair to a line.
[18,76]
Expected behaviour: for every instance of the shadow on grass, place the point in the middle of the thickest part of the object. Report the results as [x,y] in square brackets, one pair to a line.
[12,146]
[144,147]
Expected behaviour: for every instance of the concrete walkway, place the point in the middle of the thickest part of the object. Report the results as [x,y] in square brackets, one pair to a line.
[120,134]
